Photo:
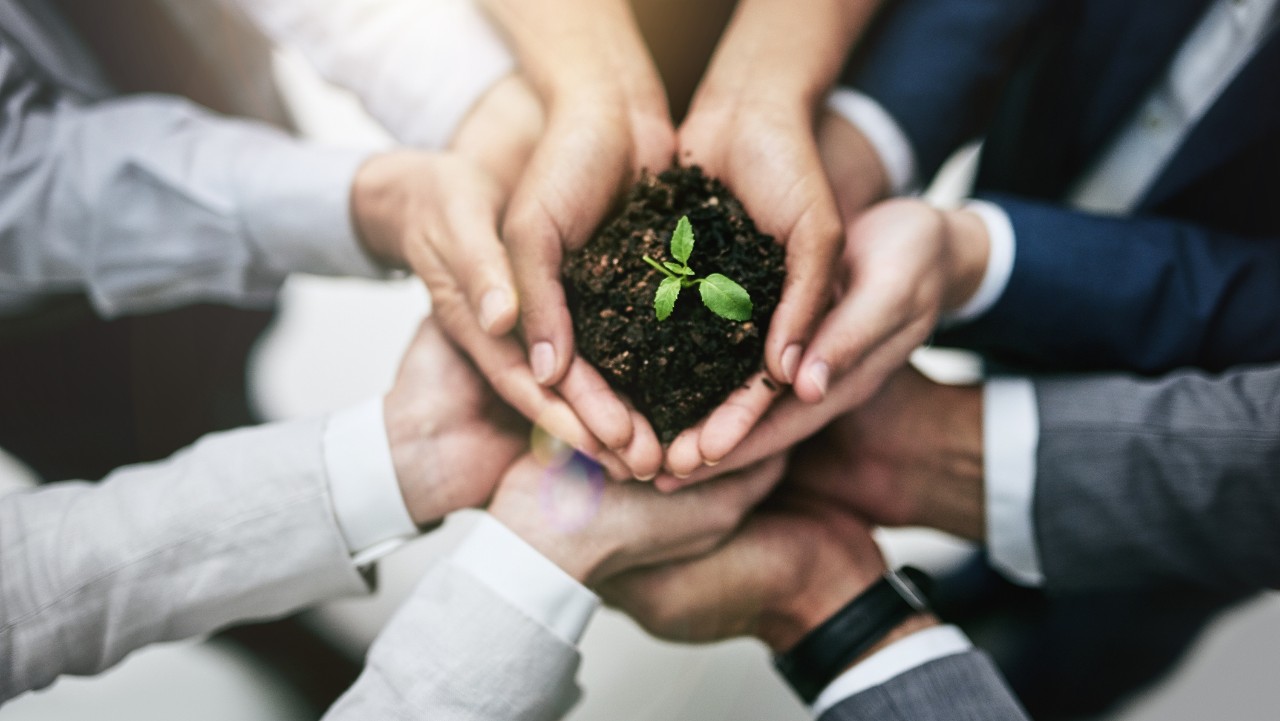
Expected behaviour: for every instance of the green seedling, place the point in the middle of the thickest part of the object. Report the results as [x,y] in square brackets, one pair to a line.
[722,296]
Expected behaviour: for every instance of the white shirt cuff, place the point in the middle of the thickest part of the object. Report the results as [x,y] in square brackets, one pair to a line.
[882,131]
[497,557]
[297,209]
[893,660]
[367,501]
[1010,433]
[1001,248]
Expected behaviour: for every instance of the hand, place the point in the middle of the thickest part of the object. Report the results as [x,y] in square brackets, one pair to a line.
[607,120]
[593,529]
[912,456]
[437,213]
[904,263]
[450,437]
[790,568]
[752,125]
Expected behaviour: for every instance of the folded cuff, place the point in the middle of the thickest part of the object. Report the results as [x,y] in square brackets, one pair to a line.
[1011,432]
[883,132]
[367,501]
[516,571]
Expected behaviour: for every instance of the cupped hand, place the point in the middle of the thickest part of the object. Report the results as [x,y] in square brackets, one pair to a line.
[594,529]
[607,119]
[792,565]
[904,263]
[766,154]
[437,213]
[753,125]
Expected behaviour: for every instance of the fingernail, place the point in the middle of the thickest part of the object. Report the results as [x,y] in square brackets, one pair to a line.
[648,477]
[791,362]
[681,476]
[711,464]
[542,358]
[493,306]
[820,374]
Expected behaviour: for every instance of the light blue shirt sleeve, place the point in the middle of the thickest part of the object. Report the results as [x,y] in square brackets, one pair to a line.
[149,202]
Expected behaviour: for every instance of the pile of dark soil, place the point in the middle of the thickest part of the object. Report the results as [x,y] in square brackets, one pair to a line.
[677,370]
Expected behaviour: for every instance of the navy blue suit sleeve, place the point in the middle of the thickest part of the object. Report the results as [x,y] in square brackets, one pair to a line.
[938,67]
[1140,293]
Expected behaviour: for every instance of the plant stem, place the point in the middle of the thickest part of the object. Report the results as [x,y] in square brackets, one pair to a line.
[658,265]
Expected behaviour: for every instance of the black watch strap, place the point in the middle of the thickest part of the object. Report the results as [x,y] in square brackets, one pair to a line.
[827,650]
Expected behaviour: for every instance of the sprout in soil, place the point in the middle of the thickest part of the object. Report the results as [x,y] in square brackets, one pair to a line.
[722,296]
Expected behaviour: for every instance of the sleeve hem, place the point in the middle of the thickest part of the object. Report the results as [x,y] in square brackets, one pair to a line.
[883,132]
[500,559]
[367,501]
[1010,432]
[916,650]
[1001,249]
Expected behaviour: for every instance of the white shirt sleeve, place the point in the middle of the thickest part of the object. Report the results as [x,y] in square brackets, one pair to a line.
[883,132]
[367,502]
[147,203]
[418,65]
[516,571]
[897,658]
[1000,255]
[1010,433]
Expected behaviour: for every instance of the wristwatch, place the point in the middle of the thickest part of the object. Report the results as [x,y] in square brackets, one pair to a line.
[826,651]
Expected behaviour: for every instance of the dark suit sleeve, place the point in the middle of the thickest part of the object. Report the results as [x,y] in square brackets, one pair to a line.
[938,67]
[963,687]
[1146,483]
[1138,294]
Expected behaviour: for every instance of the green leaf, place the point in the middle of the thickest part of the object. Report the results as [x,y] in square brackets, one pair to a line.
[682,240]
[725,298]
[677,268]
[664,301]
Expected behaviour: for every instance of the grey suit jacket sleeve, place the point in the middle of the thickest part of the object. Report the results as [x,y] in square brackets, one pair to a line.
[149,202]
[457,651]
[1144,482]
[237,527]
[963,687]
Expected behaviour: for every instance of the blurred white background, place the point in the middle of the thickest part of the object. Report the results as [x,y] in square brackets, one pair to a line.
[337,342]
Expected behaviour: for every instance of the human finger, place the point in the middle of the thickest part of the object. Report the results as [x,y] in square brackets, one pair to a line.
[596,403]
[469,246]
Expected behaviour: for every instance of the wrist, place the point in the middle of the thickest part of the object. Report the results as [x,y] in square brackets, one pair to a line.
[378,206]
[782,627]
[913,624]
[968,252]
[950,498]
[821,588]
[881,615]
[854,165]
[414,458]
[784,51]
[578,557]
